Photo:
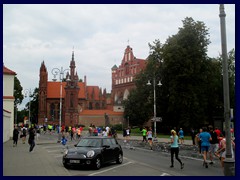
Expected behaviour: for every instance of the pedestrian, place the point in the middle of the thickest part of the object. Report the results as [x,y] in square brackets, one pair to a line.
[199,141]
[128,133]
[38,133]
[124,135]
[149,137]
[175,149]
[64,142]
[193,134]
[78,133]
[24,134]
[144,134]
[72,134]
[104,133]
[15,136]
[205,138]
[31,139]
[221,153]
[213,143]
[181,136]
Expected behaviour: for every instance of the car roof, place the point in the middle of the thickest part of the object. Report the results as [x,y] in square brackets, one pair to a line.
[97,137]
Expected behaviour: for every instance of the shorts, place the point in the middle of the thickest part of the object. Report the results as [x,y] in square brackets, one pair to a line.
[213,148]
[204,148]
[149,139]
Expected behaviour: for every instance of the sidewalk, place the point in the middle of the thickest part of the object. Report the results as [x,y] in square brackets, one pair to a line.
[18,161]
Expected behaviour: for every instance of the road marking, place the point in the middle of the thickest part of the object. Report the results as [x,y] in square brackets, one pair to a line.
[110,169]
[165,174]
[57,150]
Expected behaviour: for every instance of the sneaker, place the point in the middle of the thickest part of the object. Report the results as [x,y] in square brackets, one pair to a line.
[182,166]
[171,166]
[206,165]
[211,162]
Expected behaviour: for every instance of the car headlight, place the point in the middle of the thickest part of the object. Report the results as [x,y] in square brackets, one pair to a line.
[65,152]
[90,153]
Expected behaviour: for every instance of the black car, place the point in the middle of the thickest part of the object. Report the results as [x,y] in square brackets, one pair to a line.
[93,151]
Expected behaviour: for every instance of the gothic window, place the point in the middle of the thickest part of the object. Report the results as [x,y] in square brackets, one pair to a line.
[97,106]
[71,100]
[90,105]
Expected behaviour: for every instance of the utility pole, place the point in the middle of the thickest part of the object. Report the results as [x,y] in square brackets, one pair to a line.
[229,162]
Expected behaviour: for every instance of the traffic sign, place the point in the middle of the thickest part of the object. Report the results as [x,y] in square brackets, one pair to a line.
[157,119]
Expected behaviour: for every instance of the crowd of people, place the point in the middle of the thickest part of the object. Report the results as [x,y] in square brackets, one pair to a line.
[211,142]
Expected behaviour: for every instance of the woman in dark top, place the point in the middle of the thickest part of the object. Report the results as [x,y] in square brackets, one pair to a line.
[15,136]
[31,140]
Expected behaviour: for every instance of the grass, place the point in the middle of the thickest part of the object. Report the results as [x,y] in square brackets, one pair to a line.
[137,132]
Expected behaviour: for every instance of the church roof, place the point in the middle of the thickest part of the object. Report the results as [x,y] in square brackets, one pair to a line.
[53,90]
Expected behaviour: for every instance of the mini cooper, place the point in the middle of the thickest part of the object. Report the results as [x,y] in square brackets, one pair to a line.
[93,151]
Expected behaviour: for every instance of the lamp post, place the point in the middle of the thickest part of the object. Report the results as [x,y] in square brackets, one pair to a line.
[229,162]
[60,72]
[27,92]
[154,105]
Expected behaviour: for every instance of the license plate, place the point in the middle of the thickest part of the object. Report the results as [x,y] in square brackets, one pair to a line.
[74,161]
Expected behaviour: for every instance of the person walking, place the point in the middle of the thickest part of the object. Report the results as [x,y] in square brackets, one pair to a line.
[205,138]
[64,142]
[15,136]
[175,149]
[213,143]
[31,139]
[24,134]
[149,137]
[221,153]
[193,134]
[181,136]
[144,134]
[199,141]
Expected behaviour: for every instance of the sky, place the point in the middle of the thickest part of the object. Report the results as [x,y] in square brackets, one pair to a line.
[98,35]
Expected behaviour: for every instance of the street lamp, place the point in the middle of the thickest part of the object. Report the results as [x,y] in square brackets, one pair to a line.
[154,104]
[27,92]
[229,162]
[60,72]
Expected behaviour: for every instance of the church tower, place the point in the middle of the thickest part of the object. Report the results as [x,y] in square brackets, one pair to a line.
[71,98]
[42,104]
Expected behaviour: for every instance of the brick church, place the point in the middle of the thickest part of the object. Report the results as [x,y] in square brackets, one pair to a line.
[84,104]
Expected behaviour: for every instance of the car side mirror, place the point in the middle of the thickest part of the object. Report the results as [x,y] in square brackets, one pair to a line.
[75,145]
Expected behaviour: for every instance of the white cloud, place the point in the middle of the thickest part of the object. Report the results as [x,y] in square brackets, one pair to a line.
[99,34]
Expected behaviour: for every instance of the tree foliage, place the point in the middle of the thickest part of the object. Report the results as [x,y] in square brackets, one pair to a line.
[33,106]
[17,91]
[192,90]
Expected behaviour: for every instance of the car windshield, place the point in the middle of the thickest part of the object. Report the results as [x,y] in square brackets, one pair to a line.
[89,143]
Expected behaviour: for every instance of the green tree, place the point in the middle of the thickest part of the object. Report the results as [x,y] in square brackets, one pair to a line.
[139,105]
[33,106]
[184,74]
[18,97]
[17,91]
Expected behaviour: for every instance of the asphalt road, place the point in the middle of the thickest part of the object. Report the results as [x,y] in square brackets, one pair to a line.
[46,160]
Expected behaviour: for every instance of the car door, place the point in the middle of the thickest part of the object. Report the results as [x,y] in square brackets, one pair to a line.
[107,151]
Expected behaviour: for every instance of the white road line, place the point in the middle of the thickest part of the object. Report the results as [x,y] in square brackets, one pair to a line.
[57,150]
[110,169]
[165,174]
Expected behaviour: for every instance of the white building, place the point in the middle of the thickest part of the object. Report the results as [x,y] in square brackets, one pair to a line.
[8,103]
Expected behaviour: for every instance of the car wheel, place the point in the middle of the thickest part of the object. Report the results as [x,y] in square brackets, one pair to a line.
[66,165]
[97,163]
[119,159]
